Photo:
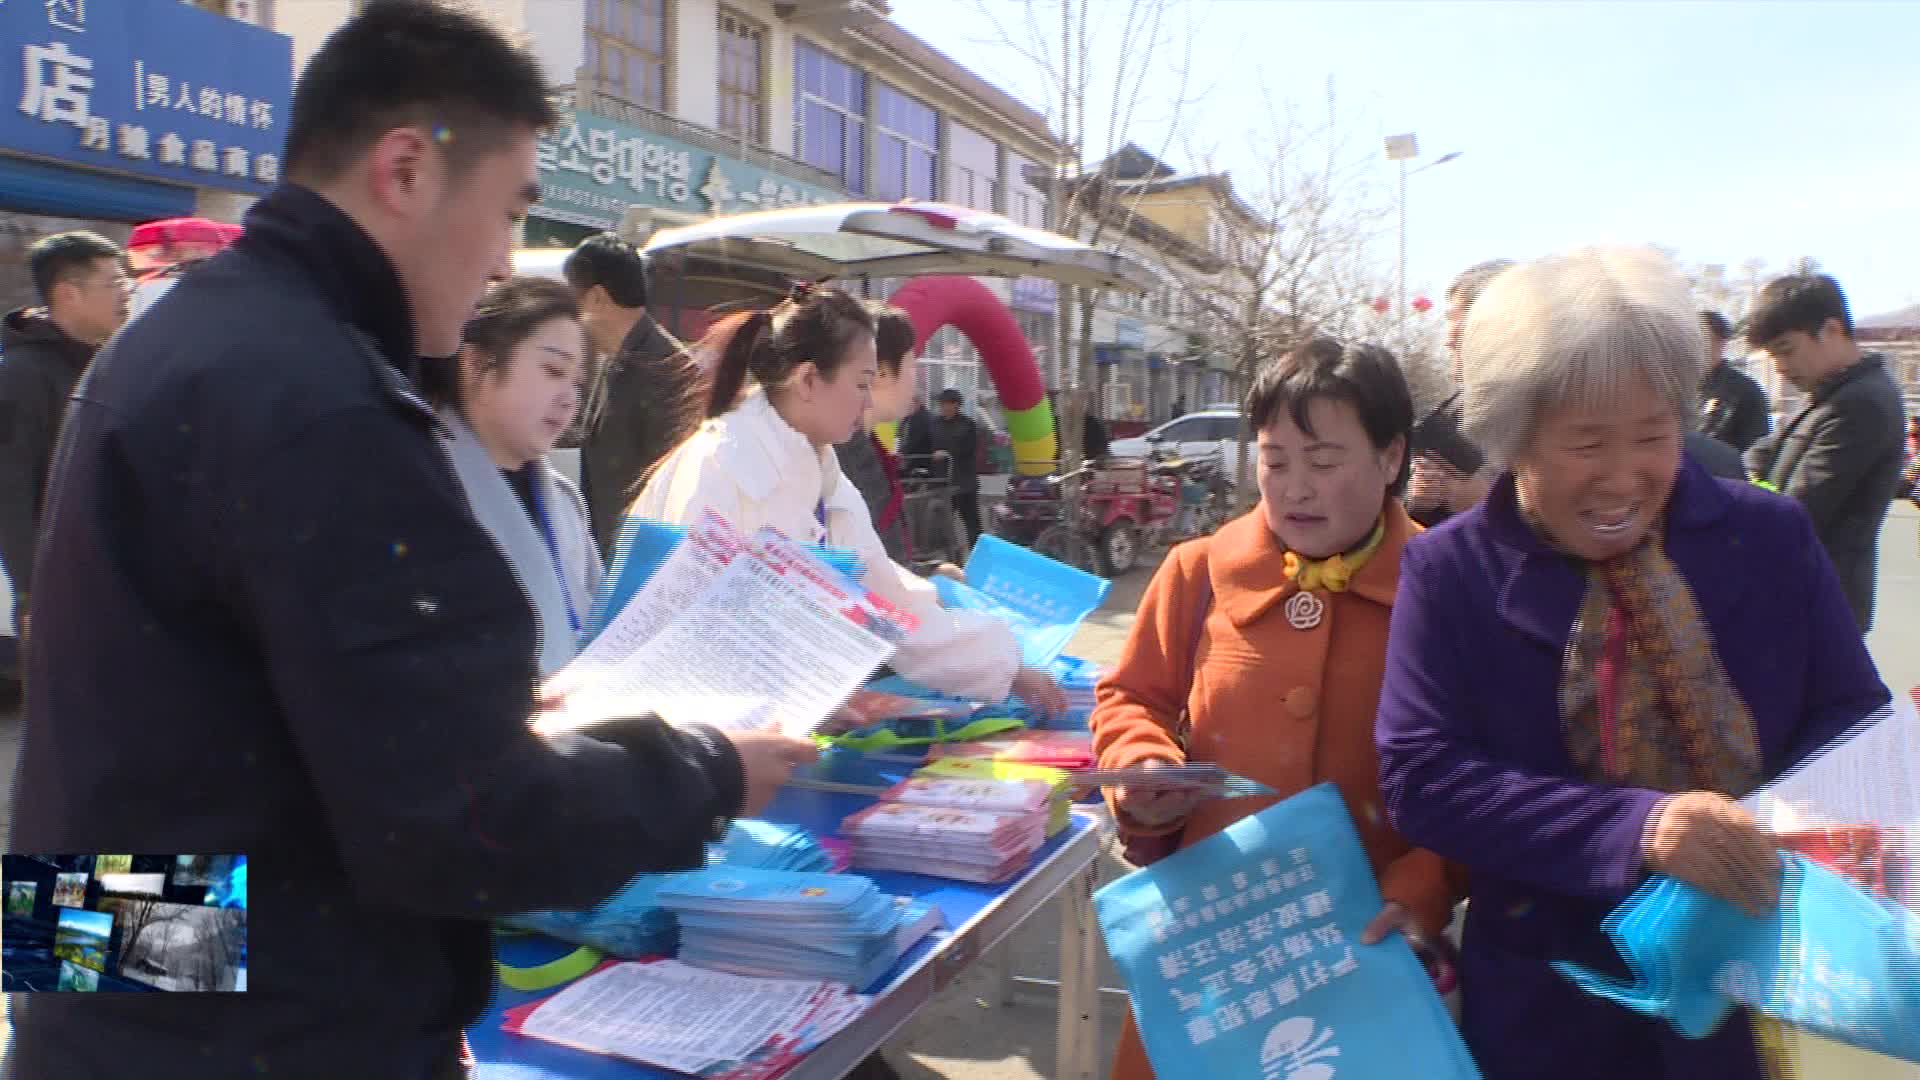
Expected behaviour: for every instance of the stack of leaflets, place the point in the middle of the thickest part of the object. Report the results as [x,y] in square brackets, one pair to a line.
[768,845]
[1060,788]
[981,846]
[779,924]
[633,923]
[1060,749]
[1205,779]
[691,644]
[1077,679]
[702,1023]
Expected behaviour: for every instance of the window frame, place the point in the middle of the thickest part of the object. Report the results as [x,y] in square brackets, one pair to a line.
[728,24]
[601,41]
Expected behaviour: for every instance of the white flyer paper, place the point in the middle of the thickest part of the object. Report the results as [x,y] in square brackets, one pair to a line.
[671,1014]
[1870,779]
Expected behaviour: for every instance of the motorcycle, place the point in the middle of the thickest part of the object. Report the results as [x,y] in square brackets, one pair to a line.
[1120,507]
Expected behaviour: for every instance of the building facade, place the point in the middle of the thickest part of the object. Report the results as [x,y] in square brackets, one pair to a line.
[124,111]
[679,110]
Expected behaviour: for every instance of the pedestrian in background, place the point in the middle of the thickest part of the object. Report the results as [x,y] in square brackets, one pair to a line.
[1840,455]
[647,387]
[1581,678]
[85,294]
[1733,407]
[268,622]
[953,445]
[1449,472]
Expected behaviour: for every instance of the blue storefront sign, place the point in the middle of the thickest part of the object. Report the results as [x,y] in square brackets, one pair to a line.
[592,168]
[151,88]
[1129,332]
[1038,295]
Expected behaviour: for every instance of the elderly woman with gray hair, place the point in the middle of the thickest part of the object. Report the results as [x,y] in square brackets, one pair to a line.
[1587,670]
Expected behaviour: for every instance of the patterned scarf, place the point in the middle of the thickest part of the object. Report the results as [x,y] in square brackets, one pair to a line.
[1644,700]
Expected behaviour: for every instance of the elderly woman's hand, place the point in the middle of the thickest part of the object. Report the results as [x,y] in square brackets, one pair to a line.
[1153,808]
[1713,843]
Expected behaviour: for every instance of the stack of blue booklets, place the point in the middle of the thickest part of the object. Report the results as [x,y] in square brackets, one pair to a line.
[766,845]
[782,924]
[633,923]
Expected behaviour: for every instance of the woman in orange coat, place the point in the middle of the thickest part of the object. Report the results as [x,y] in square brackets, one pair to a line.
[1261,648]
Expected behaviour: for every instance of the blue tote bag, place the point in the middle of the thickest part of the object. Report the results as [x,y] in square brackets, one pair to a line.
[1241,954]
[1830,958]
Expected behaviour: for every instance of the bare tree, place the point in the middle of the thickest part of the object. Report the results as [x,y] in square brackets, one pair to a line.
[1302,263]
[1095,71]
[134,914]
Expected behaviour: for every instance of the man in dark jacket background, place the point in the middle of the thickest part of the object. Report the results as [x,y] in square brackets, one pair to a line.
[1450,474]
[951,446]
[85,293]
[269,624]
[648,390]
[1840,455]
[1733,407]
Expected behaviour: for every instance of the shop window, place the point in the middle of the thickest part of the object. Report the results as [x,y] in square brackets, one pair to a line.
[743,82]
[627,50]
[906,140]
[831,111]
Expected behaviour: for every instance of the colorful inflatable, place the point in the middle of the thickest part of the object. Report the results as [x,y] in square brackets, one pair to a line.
[973,309]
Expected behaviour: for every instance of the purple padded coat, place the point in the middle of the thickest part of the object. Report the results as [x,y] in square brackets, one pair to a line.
[1473,765]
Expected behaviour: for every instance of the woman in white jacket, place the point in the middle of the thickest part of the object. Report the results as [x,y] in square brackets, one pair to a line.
[787,385]
[505,401]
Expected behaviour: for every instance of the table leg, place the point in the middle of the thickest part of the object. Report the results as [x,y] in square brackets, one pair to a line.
[1003,960]
[1079,1018]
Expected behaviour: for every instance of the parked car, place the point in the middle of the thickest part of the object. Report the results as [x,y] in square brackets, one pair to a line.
[1213,431]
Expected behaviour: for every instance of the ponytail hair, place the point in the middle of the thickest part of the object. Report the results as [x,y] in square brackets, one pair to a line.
[815,325]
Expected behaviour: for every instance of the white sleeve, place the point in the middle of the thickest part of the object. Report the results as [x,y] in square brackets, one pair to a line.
[686,485]
[963,653]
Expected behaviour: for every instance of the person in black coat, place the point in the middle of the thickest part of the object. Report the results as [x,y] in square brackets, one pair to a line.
[1733,407]
[949,444]
[268,624]
[649,390]
[84,290]
[1840,455]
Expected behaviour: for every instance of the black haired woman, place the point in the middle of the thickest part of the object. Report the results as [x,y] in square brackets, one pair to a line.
[787,385]
[507,398]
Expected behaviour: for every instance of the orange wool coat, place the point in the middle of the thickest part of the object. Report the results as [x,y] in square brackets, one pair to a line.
[1289,708]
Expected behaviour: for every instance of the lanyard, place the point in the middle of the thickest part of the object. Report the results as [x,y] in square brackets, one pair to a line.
[553,550]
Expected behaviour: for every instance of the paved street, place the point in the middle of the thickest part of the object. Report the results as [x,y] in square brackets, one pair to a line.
[964,1036]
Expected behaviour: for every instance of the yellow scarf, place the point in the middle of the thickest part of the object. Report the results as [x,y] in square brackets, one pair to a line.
[1334,572]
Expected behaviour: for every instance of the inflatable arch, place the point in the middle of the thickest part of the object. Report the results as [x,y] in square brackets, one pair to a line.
[973,309]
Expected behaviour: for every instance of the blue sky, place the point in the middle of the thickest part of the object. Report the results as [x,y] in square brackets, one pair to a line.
[1762,129]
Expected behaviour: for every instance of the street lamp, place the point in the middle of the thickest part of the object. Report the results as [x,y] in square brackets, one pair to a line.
[1405,148]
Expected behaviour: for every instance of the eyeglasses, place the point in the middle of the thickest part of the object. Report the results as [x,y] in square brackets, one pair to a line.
[116,281]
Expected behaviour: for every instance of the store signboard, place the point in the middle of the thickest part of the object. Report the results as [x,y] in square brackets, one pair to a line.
[593,167]
[154,88]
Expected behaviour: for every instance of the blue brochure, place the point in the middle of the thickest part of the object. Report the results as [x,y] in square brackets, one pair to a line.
[1044,600]
[1242,956]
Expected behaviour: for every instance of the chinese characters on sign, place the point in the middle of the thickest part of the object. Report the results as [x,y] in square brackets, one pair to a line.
[160,89]
[1228,968]
[593,168]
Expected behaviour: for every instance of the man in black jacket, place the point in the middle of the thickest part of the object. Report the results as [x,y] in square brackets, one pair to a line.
[269,624]
[1450,474]
[649,392]
[952,442]
[1840,455]
[84,290]
[1733,407]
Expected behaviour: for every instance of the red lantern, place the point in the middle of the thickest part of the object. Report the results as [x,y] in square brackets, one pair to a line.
[1422,305]
[1381,304]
